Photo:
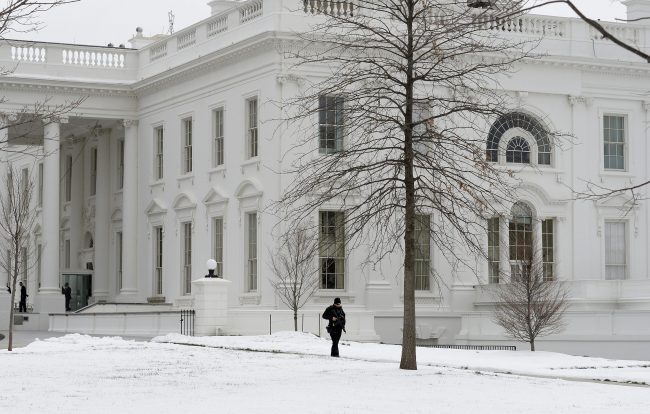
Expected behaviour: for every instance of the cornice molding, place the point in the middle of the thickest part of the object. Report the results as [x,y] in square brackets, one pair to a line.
[65,88]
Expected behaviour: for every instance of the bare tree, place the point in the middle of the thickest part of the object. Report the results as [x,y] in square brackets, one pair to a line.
[530,304]
[396,128]
[294,266]
[16,219]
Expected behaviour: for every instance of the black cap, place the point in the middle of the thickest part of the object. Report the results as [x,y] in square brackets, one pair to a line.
[337,301]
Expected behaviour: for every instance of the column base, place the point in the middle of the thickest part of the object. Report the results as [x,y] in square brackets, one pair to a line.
[127,296]
[379,295]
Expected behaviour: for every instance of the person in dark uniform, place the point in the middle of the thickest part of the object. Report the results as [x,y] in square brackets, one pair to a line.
[336,317]
[67,292]
[22,307]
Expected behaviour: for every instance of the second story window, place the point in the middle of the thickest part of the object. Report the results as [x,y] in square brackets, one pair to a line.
[330,123]
[158,153]
[251,129]
[68,178]
[40,185]
[120,164]
[217,143]
[614,142]
[93,171]
[187,146]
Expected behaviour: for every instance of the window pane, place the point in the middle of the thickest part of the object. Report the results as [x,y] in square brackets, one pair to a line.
[494,253]
[422,251]
[332,250]
[614,142]
[615,250]
[330,118]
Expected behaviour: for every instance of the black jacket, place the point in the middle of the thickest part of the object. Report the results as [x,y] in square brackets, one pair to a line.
[333,311]
[67,291]
[23,293]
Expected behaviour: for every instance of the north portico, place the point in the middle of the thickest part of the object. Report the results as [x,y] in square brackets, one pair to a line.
[170,158]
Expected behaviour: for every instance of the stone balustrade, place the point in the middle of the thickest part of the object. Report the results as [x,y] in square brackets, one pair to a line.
[560,36]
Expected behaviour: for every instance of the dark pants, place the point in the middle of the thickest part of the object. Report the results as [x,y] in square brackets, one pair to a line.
[336,336]
[67,303]
[22,306]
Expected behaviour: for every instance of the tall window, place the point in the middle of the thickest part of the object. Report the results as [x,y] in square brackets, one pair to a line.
[494,250]
[120,164]
[67,254]
[25,180]
[93,171]
[158,170]
[187,145]
[217,143]
[548,245]
[40,185]
[614,142]
[187,258]
[422,251]
[68,178]
[118,250]
[521,238]
[23,265]
[332,250]
[158,260]
[252,141]
[330,120]
[218,245]
[251,250]
[615,250]
[39,249]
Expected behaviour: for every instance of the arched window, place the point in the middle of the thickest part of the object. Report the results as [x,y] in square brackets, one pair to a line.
[520,237]
[518,151]
[523,121]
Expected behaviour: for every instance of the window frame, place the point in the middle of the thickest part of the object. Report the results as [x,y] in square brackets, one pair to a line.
[626,246]
[120,164]
[93,171]
[339,259]
[625,144]
[158,258]
[159,152]
[68,178]
[218,243]
[186,257]
[252,129]
[252,246]
[339,128]
[187,155]
[218,132]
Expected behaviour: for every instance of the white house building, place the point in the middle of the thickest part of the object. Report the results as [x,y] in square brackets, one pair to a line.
[170,159]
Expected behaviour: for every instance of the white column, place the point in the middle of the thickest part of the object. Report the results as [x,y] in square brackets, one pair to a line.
[51,205]
[537,242]
[130,210]
[504,249]
[102,218]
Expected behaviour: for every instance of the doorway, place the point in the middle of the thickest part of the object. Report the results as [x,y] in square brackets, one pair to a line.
[81,285]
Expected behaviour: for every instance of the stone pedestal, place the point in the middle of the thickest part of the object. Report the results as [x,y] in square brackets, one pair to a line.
[210,304]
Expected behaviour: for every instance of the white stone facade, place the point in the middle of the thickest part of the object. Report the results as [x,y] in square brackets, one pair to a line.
[230,61]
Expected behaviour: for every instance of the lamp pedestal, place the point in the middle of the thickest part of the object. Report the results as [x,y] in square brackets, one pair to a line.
[210,304]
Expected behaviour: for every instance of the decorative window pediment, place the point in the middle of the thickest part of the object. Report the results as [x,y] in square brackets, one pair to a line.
[156,207]
[215,201]
[184,201]
[116,216]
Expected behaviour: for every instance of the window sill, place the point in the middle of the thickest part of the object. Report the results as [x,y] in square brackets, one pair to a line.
[159,183]
[328,295]
[220,169]
[533,168]
[185,178]
[616,173]
[250,162]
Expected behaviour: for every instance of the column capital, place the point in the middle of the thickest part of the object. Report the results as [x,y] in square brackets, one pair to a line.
[54,119]
[128,123]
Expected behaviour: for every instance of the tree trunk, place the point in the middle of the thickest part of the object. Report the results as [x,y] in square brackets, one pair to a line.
[409,360]
[295,320]
[532,345]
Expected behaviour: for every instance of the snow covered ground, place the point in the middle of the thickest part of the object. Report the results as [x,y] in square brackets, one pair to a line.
[292,373]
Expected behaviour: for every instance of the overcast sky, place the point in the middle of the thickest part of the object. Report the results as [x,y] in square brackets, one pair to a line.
[99,22]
